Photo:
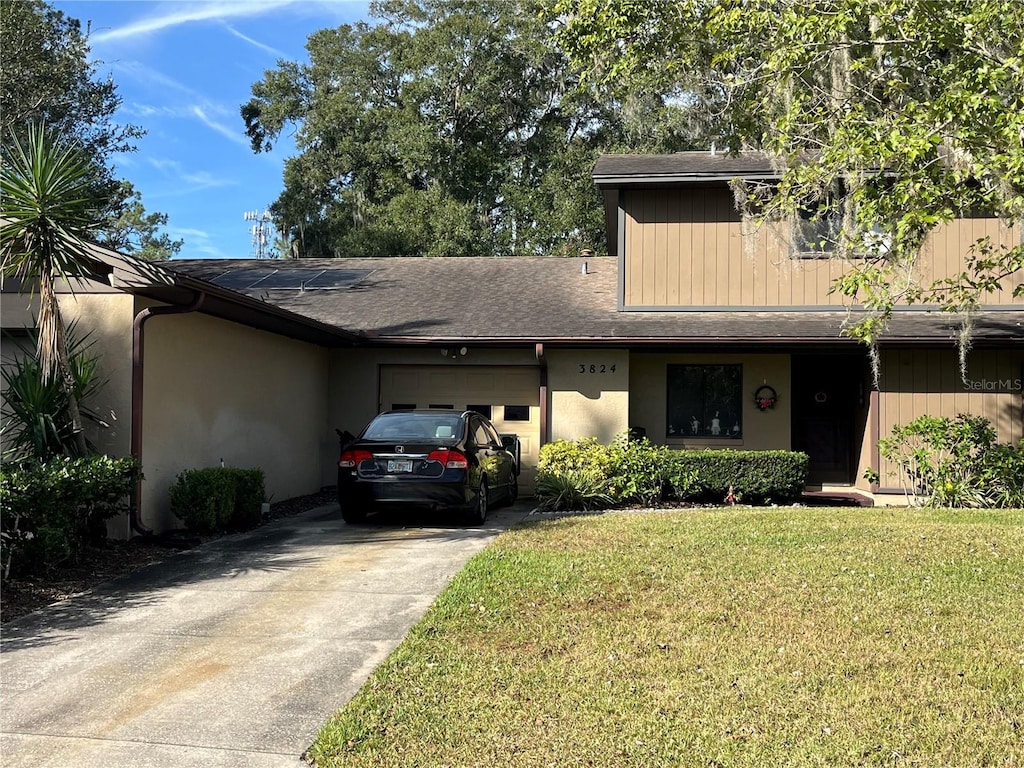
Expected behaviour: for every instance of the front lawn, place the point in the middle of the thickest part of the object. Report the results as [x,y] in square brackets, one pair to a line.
[723,637]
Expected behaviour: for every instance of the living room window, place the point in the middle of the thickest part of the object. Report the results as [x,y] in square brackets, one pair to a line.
[705,401]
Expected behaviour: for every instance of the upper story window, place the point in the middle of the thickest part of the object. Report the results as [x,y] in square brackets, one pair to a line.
[705,401]
[816,232]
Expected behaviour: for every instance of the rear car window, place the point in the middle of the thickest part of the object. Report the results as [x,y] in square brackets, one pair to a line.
[412,426]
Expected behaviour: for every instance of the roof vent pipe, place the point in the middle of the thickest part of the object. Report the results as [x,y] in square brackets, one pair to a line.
[138,348]
[713,149]
[583,269]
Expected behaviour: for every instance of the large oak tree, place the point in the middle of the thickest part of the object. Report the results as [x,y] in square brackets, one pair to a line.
[447,128]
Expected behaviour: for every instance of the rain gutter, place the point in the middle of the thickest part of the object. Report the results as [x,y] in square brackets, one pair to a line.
[138,349]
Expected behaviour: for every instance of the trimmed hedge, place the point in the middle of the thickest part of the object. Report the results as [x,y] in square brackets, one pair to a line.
[50,510]
[218,498]
[754,476]
[639,472]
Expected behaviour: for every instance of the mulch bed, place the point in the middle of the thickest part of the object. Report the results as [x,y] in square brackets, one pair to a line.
[106,561]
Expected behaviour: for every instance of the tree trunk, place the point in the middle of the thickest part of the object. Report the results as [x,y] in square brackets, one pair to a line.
[53,353]
[68,379]
[73,411]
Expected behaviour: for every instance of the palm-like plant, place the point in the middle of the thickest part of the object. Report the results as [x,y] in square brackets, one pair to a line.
[48,207]
[36,424]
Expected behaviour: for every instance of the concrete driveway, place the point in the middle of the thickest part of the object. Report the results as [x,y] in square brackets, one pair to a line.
[232,654]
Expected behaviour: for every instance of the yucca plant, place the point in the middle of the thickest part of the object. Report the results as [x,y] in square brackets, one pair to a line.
[36,419]
[48,209]
[572,489]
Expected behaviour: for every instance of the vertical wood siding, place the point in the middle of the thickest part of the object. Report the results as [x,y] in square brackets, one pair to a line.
[919,382]
[685,247]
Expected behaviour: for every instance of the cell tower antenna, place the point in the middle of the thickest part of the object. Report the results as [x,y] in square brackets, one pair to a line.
[262,230]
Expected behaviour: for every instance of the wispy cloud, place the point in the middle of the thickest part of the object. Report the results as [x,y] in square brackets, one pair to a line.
[198,107]
[199,244]
[177,14]
[262,46]
[220,128]
[187,181]
[189,232]
[152,78]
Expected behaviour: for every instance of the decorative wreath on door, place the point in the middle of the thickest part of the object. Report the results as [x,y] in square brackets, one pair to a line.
[765,397]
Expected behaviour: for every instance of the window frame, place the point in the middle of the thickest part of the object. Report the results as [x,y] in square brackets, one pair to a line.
[826,222]
[825,216]
[678,425]
[523,416]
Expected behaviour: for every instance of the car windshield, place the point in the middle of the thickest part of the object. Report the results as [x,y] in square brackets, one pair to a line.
[413,426]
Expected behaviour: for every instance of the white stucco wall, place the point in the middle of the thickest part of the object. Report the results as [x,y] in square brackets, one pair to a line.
[216,390]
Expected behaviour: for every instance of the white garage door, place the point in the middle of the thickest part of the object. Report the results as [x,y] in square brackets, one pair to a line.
[508,395]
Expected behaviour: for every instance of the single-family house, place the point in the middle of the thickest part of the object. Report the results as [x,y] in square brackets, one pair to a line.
[687,332]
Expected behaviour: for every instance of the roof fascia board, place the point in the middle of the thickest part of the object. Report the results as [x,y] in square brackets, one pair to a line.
[621,341]
[619,180]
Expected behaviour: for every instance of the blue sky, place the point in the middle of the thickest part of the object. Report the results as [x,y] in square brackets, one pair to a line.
[182,70]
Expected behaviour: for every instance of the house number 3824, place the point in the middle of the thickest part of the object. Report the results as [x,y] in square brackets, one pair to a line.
[596,368]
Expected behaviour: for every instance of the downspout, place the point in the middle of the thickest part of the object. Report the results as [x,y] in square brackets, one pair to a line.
[543,363]
[138,349]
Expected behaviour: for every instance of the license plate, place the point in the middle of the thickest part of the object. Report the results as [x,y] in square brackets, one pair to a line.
[399,465]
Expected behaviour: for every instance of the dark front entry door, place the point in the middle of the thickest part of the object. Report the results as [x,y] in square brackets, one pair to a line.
[828,406]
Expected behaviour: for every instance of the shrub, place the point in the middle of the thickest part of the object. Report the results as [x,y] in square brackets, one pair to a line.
[216,498]
[754,476]
[1002,473]
[50,510]
[575,489]
[636,471]
[203,499]
[956,462]
[250,491]
[586,454]
[639,471]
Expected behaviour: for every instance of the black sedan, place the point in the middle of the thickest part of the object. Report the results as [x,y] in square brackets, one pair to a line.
[438,459]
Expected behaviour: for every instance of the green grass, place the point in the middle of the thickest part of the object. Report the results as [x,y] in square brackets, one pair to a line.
[725,637]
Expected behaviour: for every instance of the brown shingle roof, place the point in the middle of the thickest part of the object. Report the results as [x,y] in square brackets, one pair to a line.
[528,300]
[613,170]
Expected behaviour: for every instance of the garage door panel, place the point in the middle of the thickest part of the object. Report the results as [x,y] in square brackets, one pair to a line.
[496,386]
[445,381]
[480,382]
[518,381]
[406,380]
